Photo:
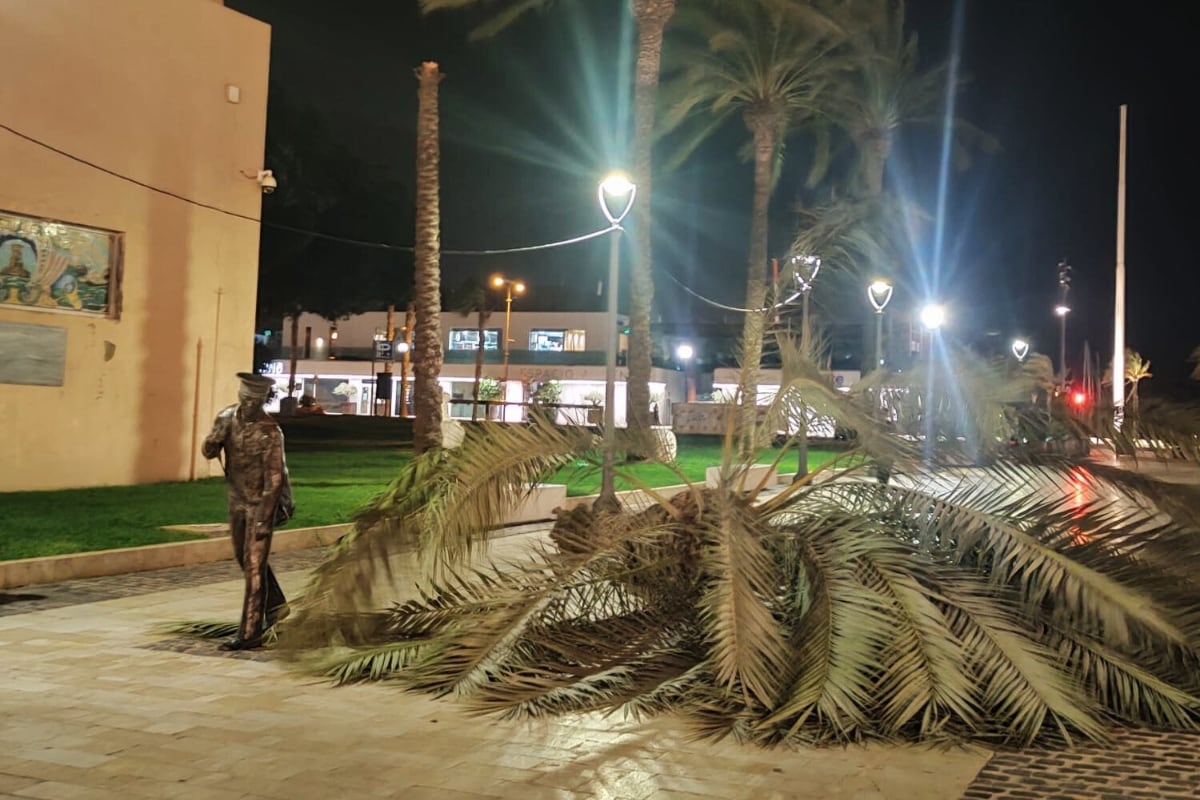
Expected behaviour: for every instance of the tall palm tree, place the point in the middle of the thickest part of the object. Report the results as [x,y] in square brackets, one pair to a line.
[986,605]
[887,90]
[427,300]
[767,64]
[1137,369]
[651,17]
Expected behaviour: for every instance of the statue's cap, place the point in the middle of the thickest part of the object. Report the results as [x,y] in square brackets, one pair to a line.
[255,385]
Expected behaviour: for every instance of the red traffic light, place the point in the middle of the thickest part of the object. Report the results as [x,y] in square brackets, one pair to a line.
[1078,398]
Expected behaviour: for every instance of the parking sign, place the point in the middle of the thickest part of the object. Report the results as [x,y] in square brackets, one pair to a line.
[383,350]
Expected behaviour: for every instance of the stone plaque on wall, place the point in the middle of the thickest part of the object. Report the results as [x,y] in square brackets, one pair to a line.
[32,354]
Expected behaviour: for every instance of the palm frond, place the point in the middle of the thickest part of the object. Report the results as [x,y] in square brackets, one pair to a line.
[1124,687]
[202,629]
[838,641]
[747,646]
[381,662]
[1021,688]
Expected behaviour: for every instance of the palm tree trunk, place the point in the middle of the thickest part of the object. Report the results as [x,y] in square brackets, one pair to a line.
[427,338]
[763,129]
[874,148]
[652,17]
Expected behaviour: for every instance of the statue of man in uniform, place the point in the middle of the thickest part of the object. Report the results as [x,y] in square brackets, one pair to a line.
[259,495]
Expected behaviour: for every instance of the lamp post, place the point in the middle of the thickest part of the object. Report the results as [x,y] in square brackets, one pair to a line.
[1062,309]
[616,194]
[684,353]
[804,272]
[1020,349]
[511,287]
[880,294]
[933,316]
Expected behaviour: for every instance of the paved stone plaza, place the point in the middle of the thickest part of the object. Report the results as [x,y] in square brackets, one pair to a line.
[95,702]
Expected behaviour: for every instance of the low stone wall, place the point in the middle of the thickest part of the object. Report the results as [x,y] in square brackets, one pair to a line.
[706,418]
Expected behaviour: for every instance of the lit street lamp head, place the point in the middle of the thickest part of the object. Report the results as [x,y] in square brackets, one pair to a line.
[616,186]
[1062,310]
[499,282]
[880,294]
[804,271]
[684,352]
[933,316]
[1020,349]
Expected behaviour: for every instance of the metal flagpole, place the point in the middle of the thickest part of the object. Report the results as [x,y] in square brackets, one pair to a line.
[1118,370]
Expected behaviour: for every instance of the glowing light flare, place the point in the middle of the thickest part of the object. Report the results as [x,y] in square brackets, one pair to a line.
[1020,349]
[684,352]
[1061,310]
[933,316]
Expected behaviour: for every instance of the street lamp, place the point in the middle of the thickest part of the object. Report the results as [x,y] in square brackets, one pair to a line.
[511,287]
[1020,349]
[1062,309]
[880,294]
[616,194]
[804,272]
[933,316]
[684,353]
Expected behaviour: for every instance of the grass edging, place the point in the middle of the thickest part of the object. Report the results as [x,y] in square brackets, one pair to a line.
[99,563]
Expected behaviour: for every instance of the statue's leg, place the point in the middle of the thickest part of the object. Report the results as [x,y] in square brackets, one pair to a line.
[237,534]
[274,601]
[258,547]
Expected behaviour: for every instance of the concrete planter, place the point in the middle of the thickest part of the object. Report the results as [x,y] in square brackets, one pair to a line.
[539,504]
[745,479]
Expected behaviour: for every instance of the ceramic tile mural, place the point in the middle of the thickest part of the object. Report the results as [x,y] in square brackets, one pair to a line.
[49,265]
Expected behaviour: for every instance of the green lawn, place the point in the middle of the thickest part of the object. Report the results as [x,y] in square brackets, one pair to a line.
[695,455]
[331,477]
[328,483]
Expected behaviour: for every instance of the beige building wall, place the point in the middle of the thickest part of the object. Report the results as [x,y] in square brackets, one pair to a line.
[137,87]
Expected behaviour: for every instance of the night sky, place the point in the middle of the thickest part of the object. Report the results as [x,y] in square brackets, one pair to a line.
[532,119]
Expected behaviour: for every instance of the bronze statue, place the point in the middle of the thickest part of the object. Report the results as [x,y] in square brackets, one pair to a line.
[259,496]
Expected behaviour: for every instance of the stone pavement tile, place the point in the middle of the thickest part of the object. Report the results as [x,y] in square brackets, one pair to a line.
[11,783]
[525,791]
[436,793]
[54,790]
[171,723]
[1141,764]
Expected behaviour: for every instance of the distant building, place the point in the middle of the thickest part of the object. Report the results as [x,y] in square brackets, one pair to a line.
[125,312]
[565,347]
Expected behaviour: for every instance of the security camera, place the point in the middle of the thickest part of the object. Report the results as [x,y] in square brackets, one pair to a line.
[266,179]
